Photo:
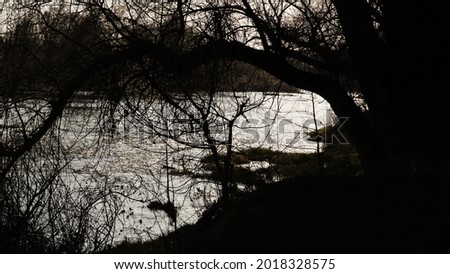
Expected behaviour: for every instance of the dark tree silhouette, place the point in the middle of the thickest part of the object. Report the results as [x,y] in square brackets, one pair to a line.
[392,55]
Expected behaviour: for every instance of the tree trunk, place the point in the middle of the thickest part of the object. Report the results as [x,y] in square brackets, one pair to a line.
[404,85]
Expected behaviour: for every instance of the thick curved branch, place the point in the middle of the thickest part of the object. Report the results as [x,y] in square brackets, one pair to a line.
[271,63]
[327,87]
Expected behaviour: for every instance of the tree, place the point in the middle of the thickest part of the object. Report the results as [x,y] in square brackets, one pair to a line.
[372,49]
[385,47]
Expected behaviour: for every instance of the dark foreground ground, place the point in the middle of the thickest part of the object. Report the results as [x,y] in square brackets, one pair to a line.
[321,215]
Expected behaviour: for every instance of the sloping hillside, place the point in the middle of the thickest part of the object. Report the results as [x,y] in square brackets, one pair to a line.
[320,215]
